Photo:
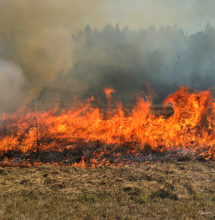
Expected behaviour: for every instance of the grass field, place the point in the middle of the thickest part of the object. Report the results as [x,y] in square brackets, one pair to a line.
[167,190]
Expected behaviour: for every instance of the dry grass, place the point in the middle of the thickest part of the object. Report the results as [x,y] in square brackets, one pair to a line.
[167,190]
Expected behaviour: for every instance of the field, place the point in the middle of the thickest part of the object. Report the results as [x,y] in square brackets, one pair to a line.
[171,189]
[128,181]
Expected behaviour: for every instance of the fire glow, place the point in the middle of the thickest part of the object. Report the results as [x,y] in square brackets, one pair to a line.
[87,128]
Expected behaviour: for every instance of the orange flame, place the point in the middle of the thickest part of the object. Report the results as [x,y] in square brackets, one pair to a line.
[108,92]
[191,127]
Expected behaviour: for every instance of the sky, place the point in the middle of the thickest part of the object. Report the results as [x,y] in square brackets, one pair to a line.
[192,15]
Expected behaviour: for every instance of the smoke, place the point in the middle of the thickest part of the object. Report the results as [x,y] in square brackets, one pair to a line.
[37,36]
[130,60]
[11,85]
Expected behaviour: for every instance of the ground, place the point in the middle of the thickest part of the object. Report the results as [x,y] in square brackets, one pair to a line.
[163,190]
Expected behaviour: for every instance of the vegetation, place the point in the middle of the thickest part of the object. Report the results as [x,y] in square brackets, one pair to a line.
[168,190]
[129,60]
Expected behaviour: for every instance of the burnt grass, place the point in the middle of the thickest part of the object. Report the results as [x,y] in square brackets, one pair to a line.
[103,154]
[169,189]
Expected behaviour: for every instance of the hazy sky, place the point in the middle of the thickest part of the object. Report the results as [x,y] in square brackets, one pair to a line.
[191,15]
[31,15]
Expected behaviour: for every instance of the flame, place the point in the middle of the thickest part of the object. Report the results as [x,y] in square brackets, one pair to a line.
[108,92]
[190,127]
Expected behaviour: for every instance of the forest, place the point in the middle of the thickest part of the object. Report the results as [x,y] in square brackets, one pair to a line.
[130,61]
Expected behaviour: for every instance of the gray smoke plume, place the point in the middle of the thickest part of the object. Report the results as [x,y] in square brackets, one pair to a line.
[42,38]
[11,85]
[37,35]
[129,60]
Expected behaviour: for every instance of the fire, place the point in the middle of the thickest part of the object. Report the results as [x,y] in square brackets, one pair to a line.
[190,127]
[108,92]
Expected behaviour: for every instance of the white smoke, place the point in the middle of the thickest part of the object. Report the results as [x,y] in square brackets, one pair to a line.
[11,85]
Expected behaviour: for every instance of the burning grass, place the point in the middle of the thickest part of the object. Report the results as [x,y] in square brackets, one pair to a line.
[85,136]
[165,190]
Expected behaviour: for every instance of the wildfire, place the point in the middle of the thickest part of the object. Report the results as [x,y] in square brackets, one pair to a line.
[85,129]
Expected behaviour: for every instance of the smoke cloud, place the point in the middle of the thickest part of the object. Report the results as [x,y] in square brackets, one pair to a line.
[129,60]
[52,59]
[38,36]
[11,85]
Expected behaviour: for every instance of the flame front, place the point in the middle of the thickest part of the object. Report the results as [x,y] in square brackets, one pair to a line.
[190,127]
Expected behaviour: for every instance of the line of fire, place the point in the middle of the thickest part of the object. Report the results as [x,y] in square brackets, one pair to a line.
[86,135]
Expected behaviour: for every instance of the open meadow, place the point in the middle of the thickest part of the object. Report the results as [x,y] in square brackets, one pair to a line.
[172,189]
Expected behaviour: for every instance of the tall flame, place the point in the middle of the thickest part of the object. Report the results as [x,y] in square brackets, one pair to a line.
[191,127]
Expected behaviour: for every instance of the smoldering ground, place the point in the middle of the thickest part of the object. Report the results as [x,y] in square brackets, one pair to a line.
[41,38]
